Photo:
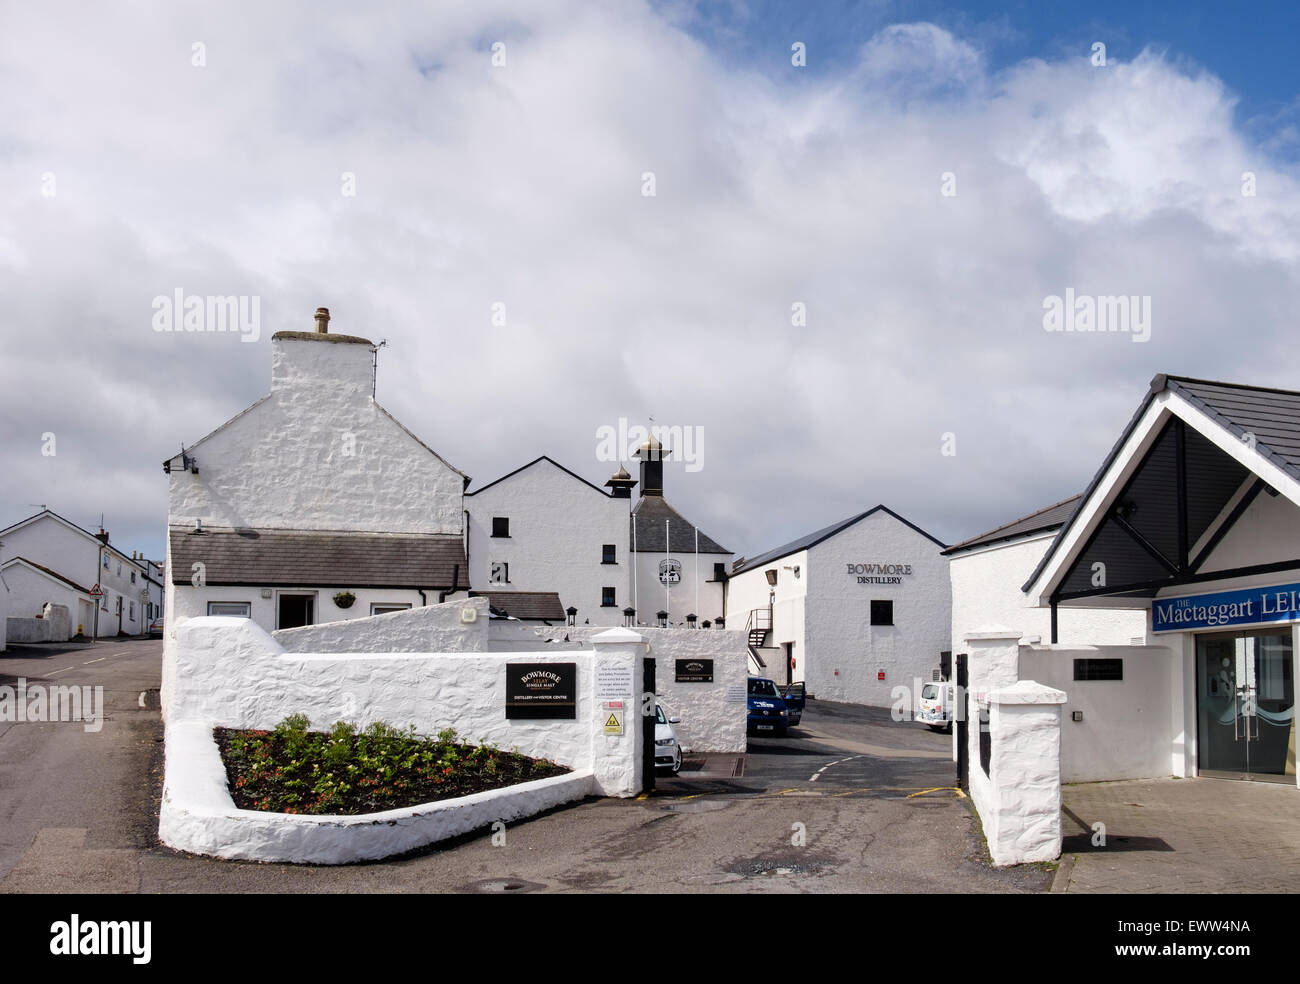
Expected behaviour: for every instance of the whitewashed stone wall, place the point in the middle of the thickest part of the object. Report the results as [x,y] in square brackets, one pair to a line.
[229,671]
[433,629]
[1022,808]
[52,626]
[4,613]
[748,591]
[284,463]
[558,525]
[710,722]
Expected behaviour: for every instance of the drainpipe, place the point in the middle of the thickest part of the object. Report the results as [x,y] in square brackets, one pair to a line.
[455,579]
[424,602]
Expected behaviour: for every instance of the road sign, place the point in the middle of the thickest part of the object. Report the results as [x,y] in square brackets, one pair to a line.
[96,591]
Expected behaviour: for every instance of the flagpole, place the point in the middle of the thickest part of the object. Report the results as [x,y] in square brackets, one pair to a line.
[668,577]
[697,572]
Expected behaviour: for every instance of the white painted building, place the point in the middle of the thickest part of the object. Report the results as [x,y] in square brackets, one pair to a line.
[314,504]
[543,529]
[852,610]
[1192,523]
[48,559]
[988,570]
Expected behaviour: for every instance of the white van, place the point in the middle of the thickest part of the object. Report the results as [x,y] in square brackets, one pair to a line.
[937,705]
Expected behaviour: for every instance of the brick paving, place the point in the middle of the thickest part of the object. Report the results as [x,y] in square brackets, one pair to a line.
[1181,836]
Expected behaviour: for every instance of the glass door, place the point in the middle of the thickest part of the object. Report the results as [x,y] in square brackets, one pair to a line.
[1246,706]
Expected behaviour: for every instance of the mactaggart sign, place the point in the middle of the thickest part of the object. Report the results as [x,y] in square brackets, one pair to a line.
[880,573]
[542,690]
[1247,606]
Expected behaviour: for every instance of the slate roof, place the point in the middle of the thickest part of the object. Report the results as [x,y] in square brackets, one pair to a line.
[1048,518]
[649,516]
[311,559]
[525,605]
[825,533]
[1271,415]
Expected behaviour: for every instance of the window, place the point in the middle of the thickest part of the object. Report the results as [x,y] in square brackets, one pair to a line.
[882,613]
[383,608]
[119,568]
[1099,669]
[238,609]
[501,526]
[132,611]
[133,577]
[119,607]
[607,554]
[719,572]
[500,573]
[607,598]
[105,561]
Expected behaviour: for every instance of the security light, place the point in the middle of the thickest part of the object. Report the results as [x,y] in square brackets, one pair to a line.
[771,576]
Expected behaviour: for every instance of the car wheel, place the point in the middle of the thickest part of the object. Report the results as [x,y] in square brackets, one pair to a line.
[937,727]
[677,765]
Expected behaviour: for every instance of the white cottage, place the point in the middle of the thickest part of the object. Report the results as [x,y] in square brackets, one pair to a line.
[852,610]
[314,504]
[47,559]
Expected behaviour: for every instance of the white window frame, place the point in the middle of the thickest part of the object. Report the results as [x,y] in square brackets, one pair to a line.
[389,606]
[246,613]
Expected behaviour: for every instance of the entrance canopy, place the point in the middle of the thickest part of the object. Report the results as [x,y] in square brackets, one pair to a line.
[1191,461]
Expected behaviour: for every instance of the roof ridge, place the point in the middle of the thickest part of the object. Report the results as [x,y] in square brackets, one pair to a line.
[1014,522]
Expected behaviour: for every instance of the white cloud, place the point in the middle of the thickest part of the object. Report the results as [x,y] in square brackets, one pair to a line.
[521,185]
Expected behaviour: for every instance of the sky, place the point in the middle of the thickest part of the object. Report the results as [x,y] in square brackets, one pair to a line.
[860,214]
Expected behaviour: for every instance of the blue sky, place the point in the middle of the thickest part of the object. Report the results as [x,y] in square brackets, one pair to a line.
[1252,48]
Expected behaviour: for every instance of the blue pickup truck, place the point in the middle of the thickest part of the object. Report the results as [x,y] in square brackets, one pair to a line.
[770,711]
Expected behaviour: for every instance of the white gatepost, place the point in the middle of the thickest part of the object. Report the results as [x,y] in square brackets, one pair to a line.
[1022,816]
[616,679]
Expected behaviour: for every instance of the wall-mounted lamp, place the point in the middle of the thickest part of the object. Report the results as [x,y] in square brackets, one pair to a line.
[771,576]
[573,615]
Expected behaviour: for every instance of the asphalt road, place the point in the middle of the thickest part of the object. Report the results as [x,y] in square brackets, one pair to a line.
[850,801]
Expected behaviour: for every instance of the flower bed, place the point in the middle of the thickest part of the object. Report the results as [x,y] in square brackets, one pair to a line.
[349,772]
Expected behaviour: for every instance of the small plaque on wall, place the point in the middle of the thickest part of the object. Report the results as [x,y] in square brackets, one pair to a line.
[694,671]
[542,690]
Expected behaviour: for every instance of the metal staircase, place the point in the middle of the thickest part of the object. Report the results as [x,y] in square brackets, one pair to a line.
[757,628]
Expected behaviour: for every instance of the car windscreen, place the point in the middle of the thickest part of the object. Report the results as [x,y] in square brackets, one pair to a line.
[659,715]
[929,692]
[763,688]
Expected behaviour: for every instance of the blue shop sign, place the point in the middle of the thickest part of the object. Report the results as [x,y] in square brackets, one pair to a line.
[1247,606]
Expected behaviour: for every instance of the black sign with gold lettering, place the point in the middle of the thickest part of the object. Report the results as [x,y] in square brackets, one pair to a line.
[695,671]
[542,690]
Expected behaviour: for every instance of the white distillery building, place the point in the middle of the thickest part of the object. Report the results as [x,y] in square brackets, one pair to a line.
[852,610]
[314,504]
[543,542]
[988,570]
[47,559]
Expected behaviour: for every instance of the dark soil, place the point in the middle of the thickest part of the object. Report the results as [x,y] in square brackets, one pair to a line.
[363,772]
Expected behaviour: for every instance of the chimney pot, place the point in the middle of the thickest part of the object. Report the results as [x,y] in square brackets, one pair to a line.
[322,321]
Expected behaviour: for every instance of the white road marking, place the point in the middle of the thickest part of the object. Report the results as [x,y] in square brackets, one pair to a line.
[64,670]
[122,654]
[142,693]
[89,661]
[817,774]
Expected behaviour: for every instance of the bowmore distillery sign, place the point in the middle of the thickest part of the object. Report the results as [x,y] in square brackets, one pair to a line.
[880,573]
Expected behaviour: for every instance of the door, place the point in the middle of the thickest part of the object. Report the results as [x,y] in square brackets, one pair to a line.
[1246,706]
[296,610]
[789,663]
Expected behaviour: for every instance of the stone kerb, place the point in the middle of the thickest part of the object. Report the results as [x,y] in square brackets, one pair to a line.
[1022,808]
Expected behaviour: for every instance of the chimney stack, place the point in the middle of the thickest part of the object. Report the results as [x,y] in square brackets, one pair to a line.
[101,536]
[322,321]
